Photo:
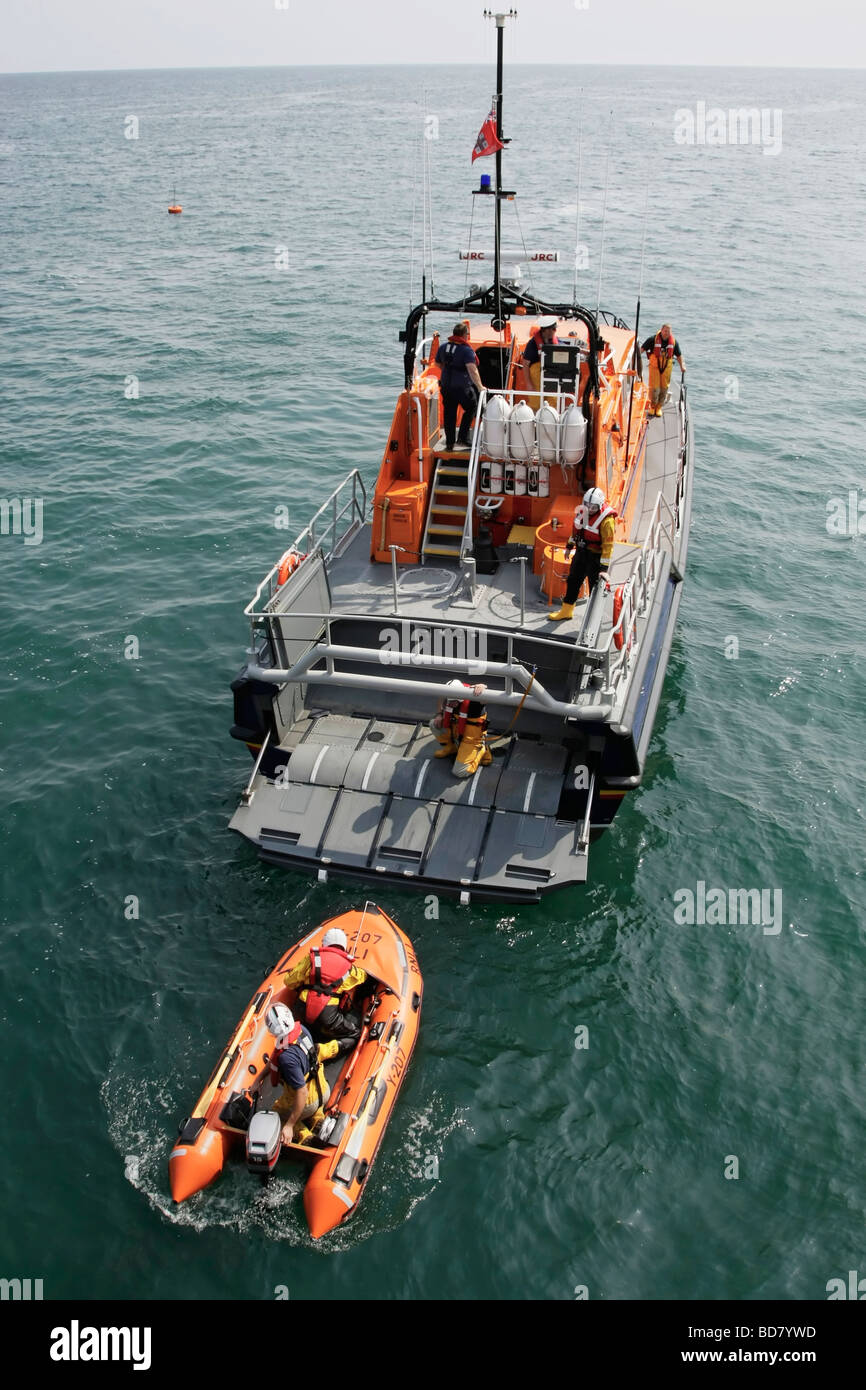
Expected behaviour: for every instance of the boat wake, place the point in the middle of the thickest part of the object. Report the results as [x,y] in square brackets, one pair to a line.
[141,1121]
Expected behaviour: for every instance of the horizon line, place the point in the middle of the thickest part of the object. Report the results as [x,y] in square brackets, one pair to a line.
[265,67]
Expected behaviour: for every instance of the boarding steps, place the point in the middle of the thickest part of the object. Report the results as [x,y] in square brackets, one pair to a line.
[449,500]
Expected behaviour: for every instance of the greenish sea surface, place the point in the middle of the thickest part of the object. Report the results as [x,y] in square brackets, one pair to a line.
[167,384]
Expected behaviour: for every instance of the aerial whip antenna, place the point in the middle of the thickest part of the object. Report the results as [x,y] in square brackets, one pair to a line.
[636,354]
[604,217]
[577,209]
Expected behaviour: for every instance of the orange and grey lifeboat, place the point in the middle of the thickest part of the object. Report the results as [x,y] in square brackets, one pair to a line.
[364,1085]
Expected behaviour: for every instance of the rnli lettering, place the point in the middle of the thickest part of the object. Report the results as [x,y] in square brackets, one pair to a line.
[366,939]
[397,1066]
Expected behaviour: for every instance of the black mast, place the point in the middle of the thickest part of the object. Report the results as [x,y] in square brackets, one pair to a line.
[496,301]
[500,19]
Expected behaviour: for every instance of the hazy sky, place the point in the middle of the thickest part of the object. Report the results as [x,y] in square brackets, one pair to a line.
[61,35]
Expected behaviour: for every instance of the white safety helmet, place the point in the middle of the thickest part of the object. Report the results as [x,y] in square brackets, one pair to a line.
[593,499]
[280,1020]
[334,937]
[550,322]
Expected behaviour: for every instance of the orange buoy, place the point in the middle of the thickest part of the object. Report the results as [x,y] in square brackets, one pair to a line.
[176,207]
[618,638]
[288,564]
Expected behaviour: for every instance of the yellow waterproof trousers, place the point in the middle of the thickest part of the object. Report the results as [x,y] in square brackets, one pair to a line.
[473,751]
[659,383]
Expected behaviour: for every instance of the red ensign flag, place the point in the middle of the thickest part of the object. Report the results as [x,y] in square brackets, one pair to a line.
[487,142]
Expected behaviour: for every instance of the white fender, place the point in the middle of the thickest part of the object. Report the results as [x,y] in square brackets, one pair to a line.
[509,477]
[494,440]
[543,480]
[520,480]
[496,476]
[521,432]
[572,435]
[547,430]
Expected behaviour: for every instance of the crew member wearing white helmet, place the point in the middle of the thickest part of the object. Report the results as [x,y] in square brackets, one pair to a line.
[592,541]
[544,334]
[296,1061]
[324,981]
[460,725]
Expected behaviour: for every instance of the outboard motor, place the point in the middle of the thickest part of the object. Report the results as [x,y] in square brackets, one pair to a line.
[264,1139]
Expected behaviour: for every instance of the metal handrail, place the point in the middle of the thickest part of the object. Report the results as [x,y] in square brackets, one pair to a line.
[419,355]
[637,593]
[431,624]
[586,826]
[315,544]
[304,671]
[247,794]
[472,473]
[417,400]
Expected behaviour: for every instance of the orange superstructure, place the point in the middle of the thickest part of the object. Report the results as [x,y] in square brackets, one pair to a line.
[423,491]
[364,1085]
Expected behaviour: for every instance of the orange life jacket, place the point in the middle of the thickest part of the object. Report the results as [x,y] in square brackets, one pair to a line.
[328,967]
[539,343]
[457,712]
[538,340]
[663,351]
[590,531]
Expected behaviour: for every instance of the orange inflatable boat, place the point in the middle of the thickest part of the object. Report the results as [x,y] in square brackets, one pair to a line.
[363,1084]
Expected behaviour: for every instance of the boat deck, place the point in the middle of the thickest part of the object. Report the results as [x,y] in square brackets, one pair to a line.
[368,795]
[433,592]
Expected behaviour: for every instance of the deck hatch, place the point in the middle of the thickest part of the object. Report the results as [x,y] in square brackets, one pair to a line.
[403,856]
[527,875]
[286,837]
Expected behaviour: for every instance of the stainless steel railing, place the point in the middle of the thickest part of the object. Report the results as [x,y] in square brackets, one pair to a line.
[637,592]
[321,534]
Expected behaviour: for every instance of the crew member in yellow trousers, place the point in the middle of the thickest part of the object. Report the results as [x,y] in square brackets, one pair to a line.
[460,725]
[593,535]
[296,1061]
[662,349]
